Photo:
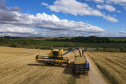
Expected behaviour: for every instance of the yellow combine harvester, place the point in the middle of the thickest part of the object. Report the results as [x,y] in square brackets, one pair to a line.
[55,57]
[81,65]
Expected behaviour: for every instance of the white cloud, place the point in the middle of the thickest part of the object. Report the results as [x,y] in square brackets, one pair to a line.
[123,32]
[119,2]
[101,1]
[11,30]
[110,8]
[73,7]
[114,15]
[53,22]
[9,18]
[7,29]
[72,33]
[110,18]
[77,8]
[16,29]
[14,23]
[119,11]
[112,34]
[48,22]
[45,4]
[110,1]
[116,1]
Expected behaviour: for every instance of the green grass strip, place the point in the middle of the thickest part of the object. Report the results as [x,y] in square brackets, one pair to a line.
[111,78]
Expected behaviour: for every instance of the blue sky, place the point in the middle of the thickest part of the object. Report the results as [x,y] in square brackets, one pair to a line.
[64,18]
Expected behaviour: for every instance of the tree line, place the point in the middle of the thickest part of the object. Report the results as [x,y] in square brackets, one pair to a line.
[91,39]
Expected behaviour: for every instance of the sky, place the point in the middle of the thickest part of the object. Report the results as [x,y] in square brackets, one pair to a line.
[63,18]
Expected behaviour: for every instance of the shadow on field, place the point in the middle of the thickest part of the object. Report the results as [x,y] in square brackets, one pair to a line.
[35,64]
[46,65]
[69,69]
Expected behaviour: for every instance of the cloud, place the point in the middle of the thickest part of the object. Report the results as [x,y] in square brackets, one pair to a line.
[119,2]
[2,6]
[68,33]
[123,32]
[101,1]
[16,22]
[11,30]
[13,16]
[53,22]
[112,34]
[116,1]
[45,4]
[15,9]
[5,8]
[18,31]
[6,14]
[72,33]
[77,8]
[110,1]
[1,1]
[119,11]
[110,18]
[109,8]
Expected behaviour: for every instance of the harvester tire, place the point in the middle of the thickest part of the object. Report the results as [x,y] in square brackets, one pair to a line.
[52,63]
[45,63]
[61,64]
[36,57]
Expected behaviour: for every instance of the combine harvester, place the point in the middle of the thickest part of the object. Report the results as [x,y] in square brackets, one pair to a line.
[81,65]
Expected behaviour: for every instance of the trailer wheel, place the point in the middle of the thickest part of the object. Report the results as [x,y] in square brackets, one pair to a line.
[88,67]
[86,73]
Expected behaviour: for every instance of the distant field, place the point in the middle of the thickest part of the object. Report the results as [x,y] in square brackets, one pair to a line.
[45,38]
[101,45]
[43,43]
[114,62]
[117,38]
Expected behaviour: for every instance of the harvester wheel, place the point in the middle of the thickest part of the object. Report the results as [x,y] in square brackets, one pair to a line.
[45,63]
[36,57]
[52,63]
[61,64]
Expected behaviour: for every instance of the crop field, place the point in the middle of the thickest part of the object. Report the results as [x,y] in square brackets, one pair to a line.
[113,62]
[18,66]
[117,38]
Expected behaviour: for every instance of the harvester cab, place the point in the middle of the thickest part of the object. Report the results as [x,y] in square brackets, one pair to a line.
[56,53]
